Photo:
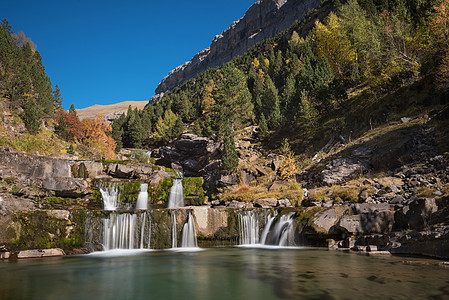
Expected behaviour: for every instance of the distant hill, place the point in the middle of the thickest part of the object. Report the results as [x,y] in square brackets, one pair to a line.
[111,111]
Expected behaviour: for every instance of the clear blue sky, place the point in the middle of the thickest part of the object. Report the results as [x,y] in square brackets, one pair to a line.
[103,52]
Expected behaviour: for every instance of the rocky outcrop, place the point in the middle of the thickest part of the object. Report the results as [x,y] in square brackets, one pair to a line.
[263,20]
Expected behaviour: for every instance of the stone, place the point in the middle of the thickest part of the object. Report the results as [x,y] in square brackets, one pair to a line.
[277,185]
[284,203]
[90,169]
[208,221]
[397,200]
[420,212]
[264,19]
[371,248]
[405,120]
[261,170]
[67,187]
[40,253]
[59,214]
[343,169]
[228,180]
[367,223]
[393,189]
[266,202]
[364,195]
[236,204]
[158,176]
[276,164]
[325,221]
[362,152]
[363,208]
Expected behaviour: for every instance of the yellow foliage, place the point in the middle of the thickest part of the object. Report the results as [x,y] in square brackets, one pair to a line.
[331,41]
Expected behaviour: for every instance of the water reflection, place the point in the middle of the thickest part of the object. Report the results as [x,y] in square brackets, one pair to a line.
[231,273]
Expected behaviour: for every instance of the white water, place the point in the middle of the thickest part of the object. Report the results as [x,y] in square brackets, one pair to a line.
[276,232]
[111,196]
[176,198]
[126,231]
[266,229]
[174,234]
[189,233]
[249,228]
[142,199]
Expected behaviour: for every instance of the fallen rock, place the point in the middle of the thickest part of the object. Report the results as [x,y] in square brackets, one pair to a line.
[284,203]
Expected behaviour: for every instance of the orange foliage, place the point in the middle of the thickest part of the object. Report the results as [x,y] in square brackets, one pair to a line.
[96,137]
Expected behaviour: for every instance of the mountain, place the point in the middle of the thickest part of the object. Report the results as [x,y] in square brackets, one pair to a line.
[263,20]
[111,111]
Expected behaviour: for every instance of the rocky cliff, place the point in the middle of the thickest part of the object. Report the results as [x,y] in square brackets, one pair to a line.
[264,19]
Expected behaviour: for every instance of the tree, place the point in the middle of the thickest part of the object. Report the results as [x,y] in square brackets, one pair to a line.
[232,98]
[72,110]
[230,160]
[31,116]
[263,128]
[96,137]
[61,126]
[288,167]
[57,99]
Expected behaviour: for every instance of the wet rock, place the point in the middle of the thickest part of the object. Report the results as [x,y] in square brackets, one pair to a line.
[158,176]
[40,253]
[379,222]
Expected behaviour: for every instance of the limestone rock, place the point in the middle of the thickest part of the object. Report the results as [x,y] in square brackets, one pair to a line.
[67,187]
[266,202]
[263,20]
[343,169]
[325,221]
[284,203]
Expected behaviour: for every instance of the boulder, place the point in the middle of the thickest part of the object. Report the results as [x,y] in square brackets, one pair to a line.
[67,187]
[284,203]
[325,221]
[420,212]
[266,202]
[367,223]
[194,145]
[158,176]
[228,180]
[341,170]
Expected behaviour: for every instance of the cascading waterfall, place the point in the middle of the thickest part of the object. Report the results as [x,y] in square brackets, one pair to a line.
[176,198]
[249,228]
[189,233]
[142,199]
[266,229]
[278,231]
[127,231]
[174,234]
[111,196]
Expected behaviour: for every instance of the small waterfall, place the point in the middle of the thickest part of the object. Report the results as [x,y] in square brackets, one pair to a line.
[249,228]
[266,229]
[278,233]
[149,155]
[142,199]
[127,231]
[111,196]
[176,198]
[174,234]
[189,233]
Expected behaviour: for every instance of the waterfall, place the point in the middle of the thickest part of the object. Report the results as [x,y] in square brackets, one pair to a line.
[142,199]
[249,228]
[174,234]
[176,198]
[266,229]
[111,196]
[127,231]
[278,233]
[189,234]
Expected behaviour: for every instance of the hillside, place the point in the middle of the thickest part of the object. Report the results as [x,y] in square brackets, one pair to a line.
[110,111]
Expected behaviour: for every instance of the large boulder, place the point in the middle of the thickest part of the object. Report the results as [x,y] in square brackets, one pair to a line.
[341,170]
[266,202]
[67,187]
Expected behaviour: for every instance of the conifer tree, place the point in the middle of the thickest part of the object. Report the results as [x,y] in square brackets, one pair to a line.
[230,160]
[263,128]
[72,110]
[31,116]
[57,99]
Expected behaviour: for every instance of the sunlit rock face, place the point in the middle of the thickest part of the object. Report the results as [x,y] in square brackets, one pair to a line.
[264,19]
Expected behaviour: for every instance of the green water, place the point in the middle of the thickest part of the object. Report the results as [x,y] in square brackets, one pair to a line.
[227,273]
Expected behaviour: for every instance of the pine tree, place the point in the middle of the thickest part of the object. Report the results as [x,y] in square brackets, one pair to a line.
[230,160]
[61,127]
[31,116]
[263,128]
[72,110]
[57,99]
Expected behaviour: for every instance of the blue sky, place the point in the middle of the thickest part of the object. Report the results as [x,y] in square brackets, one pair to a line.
[103,52]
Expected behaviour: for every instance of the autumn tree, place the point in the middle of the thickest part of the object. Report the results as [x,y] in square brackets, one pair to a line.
[96,139]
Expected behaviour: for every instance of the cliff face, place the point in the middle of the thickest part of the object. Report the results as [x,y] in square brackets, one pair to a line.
[263,20]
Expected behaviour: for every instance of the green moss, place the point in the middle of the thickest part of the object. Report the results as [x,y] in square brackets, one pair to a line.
[194,193]
[159,194]
[129,191]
